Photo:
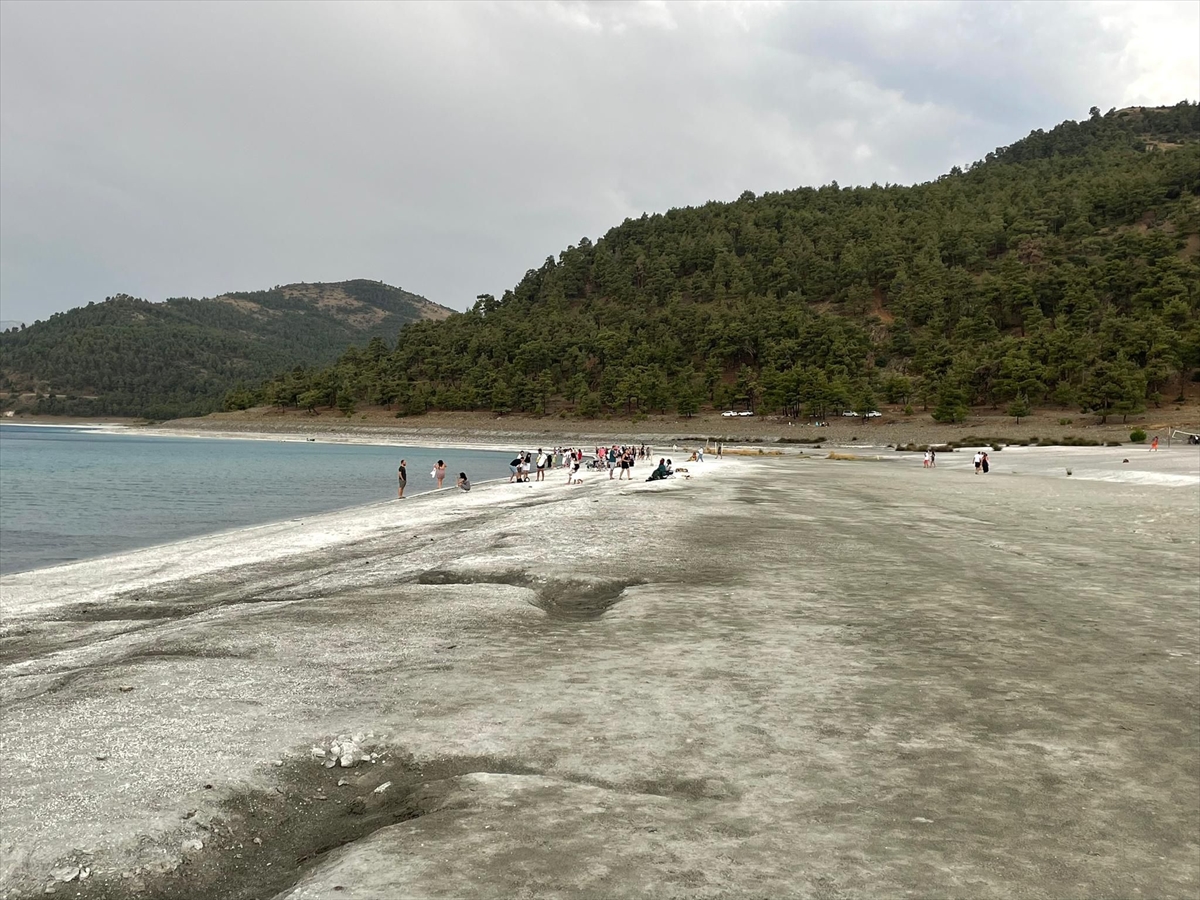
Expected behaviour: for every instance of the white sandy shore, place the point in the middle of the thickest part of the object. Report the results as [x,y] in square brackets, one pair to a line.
[96,579]
[785,676]
[99,578]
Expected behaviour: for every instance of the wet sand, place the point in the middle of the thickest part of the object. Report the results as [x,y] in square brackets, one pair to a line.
[787,676]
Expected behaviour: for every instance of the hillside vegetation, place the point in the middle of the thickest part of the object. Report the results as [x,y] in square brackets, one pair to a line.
[161,360]
[1060,270]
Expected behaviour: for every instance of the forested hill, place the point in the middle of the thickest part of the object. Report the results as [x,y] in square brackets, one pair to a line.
[161,360]
[1064,269]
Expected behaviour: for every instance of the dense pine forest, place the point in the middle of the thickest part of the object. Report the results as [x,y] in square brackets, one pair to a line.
[1062,270]
[163,360]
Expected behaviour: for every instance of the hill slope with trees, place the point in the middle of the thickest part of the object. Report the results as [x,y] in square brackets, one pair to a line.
[181,357]
[1063,269]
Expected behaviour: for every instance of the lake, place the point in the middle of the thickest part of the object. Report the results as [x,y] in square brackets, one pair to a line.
[69,493]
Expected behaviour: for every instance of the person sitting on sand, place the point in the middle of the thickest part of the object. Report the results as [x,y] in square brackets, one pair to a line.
[670,468]
[659,473]
[573,476]
[463,482]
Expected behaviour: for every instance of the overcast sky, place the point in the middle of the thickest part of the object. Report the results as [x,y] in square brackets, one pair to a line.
[178,149]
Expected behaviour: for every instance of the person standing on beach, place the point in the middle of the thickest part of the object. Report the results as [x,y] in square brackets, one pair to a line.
[1154,443]
[984,462]
[403,478]
[718,451]
[439,472]
[932,458]
[978,460]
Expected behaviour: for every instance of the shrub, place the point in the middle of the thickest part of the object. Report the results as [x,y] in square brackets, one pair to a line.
[908,410]
[1065,421]
[1137,435]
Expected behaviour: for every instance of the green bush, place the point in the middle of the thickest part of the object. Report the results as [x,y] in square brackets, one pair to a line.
[1137,436]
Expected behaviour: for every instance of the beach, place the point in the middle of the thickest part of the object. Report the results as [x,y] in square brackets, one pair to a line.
[786,675]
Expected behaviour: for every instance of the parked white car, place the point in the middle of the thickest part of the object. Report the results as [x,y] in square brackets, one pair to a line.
[745,412]
[729,414]
[874,414]
[850,414]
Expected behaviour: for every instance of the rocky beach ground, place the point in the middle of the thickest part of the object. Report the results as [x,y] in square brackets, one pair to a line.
[785,676]
[891,428]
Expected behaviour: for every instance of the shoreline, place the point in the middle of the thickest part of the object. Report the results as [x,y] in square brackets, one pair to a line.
[1098,464]
[95,579]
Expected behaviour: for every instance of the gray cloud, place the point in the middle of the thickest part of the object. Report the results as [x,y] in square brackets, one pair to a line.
[186,149]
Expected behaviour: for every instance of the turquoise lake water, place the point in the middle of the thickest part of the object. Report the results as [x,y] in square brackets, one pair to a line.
[69,493]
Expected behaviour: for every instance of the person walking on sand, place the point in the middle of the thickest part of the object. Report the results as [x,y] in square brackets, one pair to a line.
[932,458]
[978,460]
[403,478]
[984,462]
[439,472]
[1154,443]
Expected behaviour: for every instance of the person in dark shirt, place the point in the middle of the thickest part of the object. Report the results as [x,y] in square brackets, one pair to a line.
[660,472]
[403,479]
[463,482]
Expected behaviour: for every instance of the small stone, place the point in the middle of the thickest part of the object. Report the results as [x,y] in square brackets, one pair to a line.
[258,841]
[101,757]
[383,787]
[84,873]
[65,873]
[125,688]
[278,762]
[342,782]
[318,753]
[330,762]
[193,845]
[922,820]
[320,797]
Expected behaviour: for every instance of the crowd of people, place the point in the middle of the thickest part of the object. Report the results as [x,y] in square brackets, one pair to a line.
[619,460]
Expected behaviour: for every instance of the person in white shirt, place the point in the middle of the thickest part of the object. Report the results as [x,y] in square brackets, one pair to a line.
[978,461]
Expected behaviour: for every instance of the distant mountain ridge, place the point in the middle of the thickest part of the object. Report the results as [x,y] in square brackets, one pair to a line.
[127,356]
